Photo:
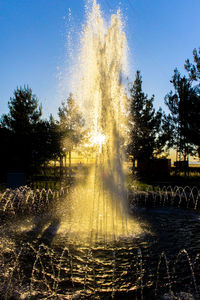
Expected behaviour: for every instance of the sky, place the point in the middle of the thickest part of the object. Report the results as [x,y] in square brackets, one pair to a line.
[161,35]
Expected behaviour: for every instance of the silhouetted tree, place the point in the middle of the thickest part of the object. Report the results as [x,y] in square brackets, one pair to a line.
[46,140]
[194,76]
[146,132]
[194,69]
[24,112]
[71,125]
[6,151]
[30,140]
[184,106]
[193,130]
[21,120]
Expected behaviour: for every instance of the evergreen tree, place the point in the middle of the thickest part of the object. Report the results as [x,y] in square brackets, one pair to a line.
[46,141]
[147,137]
[30,140]
[71,125]
[194,76]
[20,122]
[184,106]
[194,69]
[24,112]
[6,151]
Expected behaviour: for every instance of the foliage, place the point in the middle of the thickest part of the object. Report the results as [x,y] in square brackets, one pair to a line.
[147,136]
[28,141]
[24,112]
[194,69]
[194,75]
[71,124]
[184,106]
[46,141]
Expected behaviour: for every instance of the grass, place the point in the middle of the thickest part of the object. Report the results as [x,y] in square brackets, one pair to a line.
[133,182]
[50,178]
[143,184]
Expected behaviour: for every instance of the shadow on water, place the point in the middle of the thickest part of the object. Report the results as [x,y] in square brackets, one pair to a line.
[44,229]
[50,232]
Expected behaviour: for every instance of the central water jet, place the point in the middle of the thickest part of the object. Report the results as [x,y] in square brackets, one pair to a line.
[99,208]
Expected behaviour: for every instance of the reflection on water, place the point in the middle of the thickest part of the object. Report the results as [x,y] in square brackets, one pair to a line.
[38,260]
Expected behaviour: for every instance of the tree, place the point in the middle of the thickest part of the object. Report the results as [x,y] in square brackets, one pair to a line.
[194,75]
[71,125]
[24,112]
[46,141]
[6,149]
[184,106]
[147,136]
[193,130]
[30,140]
[194,69]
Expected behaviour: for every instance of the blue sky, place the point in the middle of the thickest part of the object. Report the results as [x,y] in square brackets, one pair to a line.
[161,35]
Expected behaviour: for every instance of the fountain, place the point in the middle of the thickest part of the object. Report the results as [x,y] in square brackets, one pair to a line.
[102,214]
[83,241]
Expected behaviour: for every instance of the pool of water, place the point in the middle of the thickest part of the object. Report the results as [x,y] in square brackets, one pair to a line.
[38,262]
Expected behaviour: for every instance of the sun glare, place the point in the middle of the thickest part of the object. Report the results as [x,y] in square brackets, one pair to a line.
[98,139]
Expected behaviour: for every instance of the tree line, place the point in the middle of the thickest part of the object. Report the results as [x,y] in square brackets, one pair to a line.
[153,132]
[28,140]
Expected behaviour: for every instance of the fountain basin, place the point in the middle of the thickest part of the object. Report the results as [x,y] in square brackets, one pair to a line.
[164,258]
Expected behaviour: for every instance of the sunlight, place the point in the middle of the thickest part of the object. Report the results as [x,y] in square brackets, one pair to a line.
[98,139]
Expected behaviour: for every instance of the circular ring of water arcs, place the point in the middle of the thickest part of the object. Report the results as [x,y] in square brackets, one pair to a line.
[161,261]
